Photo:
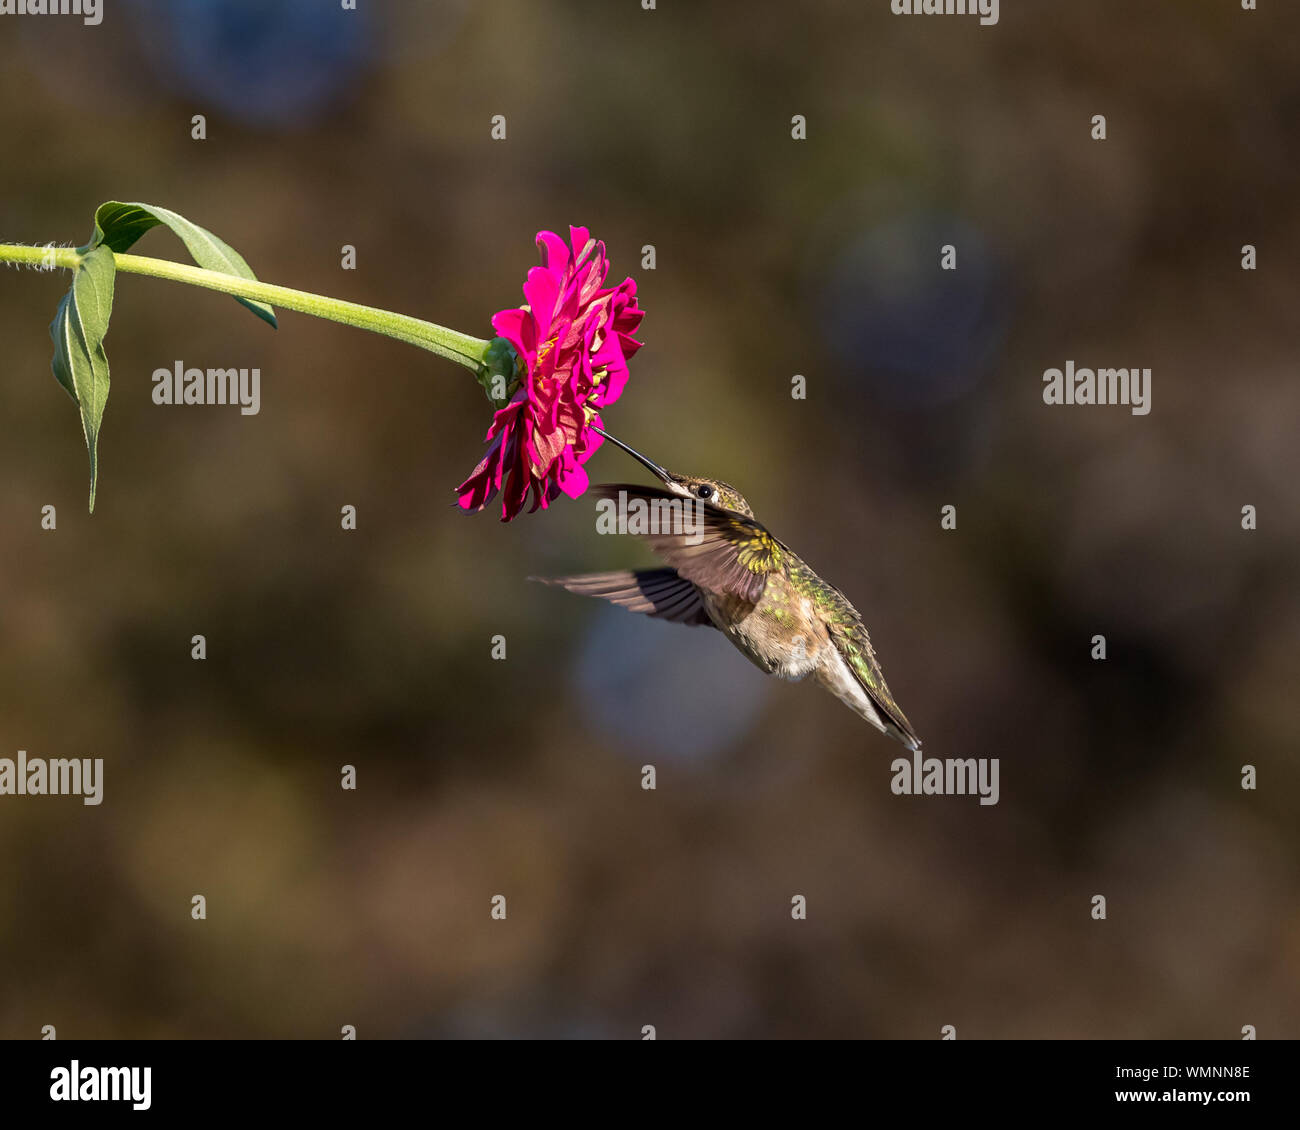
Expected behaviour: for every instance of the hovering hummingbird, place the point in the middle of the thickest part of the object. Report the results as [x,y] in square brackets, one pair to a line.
[731,573]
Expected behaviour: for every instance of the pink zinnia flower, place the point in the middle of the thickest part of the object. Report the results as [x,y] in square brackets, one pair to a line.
[573,340]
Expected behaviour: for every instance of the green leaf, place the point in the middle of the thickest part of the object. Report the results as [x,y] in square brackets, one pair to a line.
[80,363]
[119,225]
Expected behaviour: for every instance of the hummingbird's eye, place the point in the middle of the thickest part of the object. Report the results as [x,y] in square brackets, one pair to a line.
[704,490]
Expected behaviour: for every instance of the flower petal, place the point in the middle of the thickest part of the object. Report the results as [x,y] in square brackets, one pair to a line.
[573,339]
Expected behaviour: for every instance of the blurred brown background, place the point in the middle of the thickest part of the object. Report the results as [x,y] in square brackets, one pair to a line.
[522,777]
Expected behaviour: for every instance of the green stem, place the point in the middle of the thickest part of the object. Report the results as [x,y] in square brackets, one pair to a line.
[468,351]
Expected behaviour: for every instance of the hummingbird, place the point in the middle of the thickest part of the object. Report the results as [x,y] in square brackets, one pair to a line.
[732,574]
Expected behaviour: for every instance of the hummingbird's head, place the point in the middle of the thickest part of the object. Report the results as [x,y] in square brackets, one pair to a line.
[713,491]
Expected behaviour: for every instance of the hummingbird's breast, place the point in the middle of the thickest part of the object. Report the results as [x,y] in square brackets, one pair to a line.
[782,634]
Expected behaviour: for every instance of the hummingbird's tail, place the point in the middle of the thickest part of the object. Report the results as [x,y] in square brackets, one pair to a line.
[838,678]
[910,740]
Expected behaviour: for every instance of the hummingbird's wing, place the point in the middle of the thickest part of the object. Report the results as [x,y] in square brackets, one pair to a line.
[660,593]
[849,635]
[721,551]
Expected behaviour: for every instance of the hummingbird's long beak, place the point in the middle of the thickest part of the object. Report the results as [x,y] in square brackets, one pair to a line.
[648,463]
